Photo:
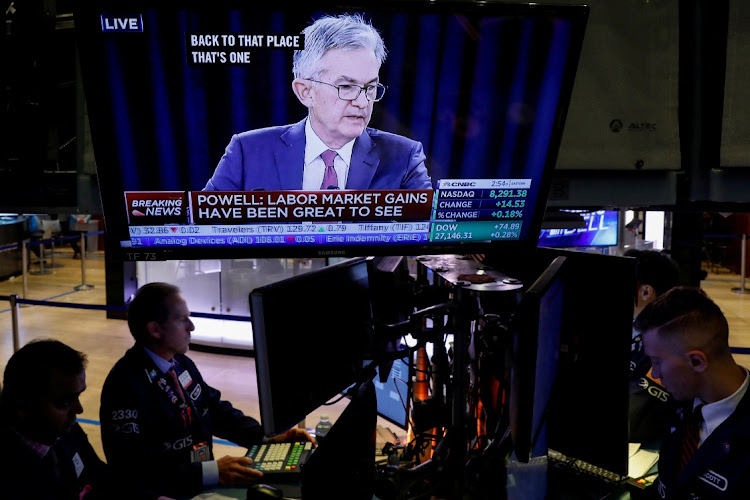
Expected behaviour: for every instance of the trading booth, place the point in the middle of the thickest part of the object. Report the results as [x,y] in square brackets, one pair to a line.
[504,363]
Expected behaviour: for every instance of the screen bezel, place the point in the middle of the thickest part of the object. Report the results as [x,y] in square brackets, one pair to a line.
[113,208]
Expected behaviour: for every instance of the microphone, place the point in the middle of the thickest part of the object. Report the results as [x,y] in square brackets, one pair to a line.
[332,186]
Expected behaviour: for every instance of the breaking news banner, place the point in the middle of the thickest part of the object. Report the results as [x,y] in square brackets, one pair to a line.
[235,48]
[232,207]
[150,208]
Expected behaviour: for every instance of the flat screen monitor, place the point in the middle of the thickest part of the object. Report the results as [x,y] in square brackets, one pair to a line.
[601,230]
[536,327]
[310,333]
[588,412]
[393,394]
[456,157]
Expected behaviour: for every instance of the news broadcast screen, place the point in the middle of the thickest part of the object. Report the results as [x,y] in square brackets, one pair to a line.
[601,230]
[236,129]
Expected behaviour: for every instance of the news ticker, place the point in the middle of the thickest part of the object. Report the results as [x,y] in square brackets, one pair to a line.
[480,198]
[322,234]
[458,210]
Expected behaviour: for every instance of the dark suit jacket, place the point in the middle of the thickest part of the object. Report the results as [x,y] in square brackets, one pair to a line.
[29,477]
[143,432]
[273,159]
[720,468]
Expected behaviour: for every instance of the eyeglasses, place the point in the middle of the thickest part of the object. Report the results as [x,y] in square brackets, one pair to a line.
[350,92]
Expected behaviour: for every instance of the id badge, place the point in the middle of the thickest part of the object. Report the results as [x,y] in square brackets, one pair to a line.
[200,453]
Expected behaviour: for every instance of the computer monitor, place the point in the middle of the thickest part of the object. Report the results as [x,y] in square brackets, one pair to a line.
[536,327]
[343,466]
[588,412]
[394,394]
[481,88]
[311,333]
[601,229]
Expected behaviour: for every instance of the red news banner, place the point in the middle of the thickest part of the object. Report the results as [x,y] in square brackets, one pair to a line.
[234,207]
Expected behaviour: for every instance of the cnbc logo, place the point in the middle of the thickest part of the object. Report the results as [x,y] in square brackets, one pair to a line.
[122,23]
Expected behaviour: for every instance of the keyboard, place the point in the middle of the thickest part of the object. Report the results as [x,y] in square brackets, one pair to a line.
[581,468]
[570,478]
[279,460]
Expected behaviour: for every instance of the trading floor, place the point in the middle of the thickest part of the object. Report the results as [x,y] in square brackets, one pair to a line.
[105,340]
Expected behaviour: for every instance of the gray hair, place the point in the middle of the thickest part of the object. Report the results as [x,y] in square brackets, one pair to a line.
[345,31]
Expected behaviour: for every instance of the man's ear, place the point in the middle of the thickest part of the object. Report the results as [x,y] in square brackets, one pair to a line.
[646,293]
[302,89]
[698,360]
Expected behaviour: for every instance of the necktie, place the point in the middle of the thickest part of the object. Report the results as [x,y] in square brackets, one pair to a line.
[692,436]
[51,460]
[176,383]
[330,179]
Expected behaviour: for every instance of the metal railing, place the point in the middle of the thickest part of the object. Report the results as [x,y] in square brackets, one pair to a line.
[27,244]
[15,301]
[743,257]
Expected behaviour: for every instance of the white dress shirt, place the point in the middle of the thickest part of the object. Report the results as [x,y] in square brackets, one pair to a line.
[312,176]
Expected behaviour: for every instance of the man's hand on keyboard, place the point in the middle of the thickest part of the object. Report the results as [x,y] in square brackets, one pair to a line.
[292,435]
[236,471]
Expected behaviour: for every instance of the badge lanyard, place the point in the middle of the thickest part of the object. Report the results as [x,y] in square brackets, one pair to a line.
[186,411]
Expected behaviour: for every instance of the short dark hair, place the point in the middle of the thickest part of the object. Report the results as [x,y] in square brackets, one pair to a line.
[149,304]
[689,313]
[656,269]
[29,371]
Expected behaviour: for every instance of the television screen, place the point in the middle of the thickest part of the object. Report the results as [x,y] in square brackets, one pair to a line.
[601,230]
[210,125]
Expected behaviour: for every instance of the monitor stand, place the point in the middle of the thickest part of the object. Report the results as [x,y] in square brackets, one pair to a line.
[346,459]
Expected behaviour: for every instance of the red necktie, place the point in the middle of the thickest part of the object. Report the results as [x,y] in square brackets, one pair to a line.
[692,436]
[176,383]
[330,179]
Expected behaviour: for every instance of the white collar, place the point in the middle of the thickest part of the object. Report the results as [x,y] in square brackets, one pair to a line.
[314,146]
[715,413]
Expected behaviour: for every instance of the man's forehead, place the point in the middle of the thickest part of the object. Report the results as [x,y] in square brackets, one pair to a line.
[651,337]
[654,339]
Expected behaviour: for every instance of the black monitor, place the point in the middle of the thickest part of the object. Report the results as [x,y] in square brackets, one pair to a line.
[536,327]
[588,412]
[482,88]
[311,333]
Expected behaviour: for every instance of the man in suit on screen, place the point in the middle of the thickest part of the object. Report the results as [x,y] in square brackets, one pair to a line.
[336,77]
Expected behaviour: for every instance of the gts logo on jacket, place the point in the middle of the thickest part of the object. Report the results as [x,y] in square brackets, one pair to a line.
[653,390]
[178,445]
